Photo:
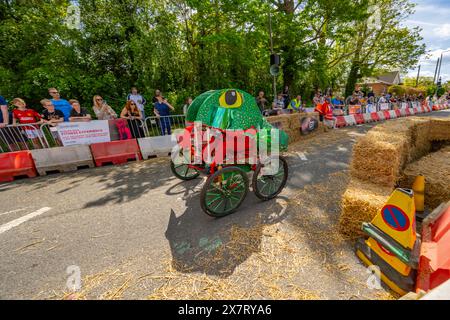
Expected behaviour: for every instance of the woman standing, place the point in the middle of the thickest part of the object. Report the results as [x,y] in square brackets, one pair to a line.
[102,110]
[134,116]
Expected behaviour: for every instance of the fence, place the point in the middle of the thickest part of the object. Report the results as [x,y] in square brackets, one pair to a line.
[40,136]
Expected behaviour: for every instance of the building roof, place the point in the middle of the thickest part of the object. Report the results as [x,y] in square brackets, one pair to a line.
[392,78]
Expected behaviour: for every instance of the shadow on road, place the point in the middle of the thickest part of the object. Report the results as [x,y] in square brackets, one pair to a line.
[217,247]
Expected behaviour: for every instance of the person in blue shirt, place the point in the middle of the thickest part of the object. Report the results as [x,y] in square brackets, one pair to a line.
[4,117]
[162,111]
[60,104]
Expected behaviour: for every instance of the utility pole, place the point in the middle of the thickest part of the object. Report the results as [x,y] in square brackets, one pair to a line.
[435,72]
[418,75]
[274,84]
[440,65]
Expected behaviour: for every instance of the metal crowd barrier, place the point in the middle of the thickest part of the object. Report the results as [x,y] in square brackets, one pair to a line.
[22,137]
[160,126]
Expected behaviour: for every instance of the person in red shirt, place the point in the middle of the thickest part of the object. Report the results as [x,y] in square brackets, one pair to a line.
[22,115]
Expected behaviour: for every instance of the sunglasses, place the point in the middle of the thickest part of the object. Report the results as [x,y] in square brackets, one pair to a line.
[54,92]
[99,99]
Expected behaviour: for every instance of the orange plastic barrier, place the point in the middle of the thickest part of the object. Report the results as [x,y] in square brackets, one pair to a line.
[14,164]
[115,152]
[434,263]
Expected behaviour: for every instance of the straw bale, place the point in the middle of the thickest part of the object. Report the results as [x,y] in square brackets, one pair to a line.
[361,203]
[280,121]
[294,135]
[295,119]
[382,154]
[436,169]
[440,129]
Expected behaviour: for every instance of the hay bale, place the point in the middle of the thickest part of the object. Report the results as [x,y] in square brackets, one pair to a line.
[436,169]
[382,154]
[361,203]
[294,135]
[440,129]
[295,119]
[280,121]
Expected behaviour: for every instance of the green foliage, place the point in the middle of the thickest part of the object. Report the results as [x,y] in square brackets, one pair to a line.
[185,47]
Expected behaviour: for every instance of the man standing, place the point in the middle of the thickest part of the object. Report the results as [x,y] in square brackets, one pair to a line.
[162,111]
[4,117]
[138,99]
[60,104]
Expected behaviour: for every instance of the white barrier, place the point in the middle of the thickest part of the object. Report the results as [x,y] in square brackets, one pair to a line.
[156,146]
[350,120]
[62,159]
[393,114]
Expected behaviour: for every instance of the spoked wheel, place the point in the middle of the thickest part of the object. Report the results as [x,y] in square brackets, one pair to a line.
[224,192]
[267,187]
[183,171]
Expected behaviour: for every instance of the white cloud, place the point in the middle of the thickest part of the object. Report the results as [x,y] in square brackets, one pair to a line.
[443,31]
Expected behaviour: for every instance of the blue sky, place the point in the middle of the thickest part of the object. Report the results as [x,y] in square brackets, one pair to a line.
[433,16]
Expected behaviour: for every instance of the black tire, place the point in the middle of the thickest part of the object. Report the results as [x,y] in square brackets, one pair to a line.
[238,192]
[183,172]
[277,188]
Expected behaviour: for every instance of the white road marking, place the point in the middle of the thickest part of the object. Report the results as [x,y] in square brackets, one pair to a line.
[13,211]
[15,223]
[302,156]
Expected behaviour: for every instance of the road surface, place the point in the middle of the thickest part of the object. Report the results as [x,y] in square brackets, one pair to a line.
[136,232]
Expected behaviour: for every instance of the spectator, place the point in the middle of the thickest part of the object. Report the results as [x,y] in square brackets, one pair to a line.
[22,115]
[4,116]
[296,104]
[138,99]
[133,116]
[78,114]
[187,104]
[50,115]
[317,98]
[286,97]
[60,104]
[162,111]
[261,101]
[278,103]
[358,93]
[102,110]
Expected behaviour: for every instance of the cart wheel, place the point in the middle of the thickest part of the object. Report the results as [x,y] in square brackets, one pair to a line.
[268,187]
[183,171]
[224,192]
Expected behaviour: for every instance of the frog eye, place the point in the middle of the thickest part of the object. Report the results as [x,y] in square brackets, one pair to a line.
[230,99]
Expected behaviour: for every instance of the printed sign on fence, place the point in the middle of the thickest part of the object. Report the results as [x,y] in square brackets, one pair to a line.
[384,106]
[75,133]
[371,108]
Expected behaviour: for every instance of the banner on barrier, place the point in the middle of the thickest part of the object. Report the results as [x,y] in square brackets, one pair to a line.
[76,133]
[384,106]
[371,108]
[354,109]
[403,105]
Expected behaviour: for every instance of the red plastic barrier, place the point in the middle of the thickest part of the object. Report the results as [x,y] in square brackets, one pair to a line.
[14,164]
[375,116]
[115,152]
[408,112]
[387,115]
[340,122]
[434,263]
[359,118]
[398,113]
[416,111]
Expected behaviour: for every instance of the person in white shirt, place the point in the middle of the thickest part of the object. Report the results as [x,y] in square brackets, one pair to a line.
[138,99]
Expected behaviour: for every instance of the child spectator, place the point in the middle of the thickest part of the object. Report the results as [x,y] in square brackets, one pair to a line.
[50,115]
[22,115]
[78,114]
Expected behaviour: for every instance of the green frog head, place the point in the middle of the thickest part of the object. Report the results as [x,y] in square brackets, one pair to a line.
[230,109]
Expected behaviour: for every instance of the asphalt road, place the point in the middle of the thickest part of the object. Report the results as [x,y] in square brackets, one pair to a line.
[136,232]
